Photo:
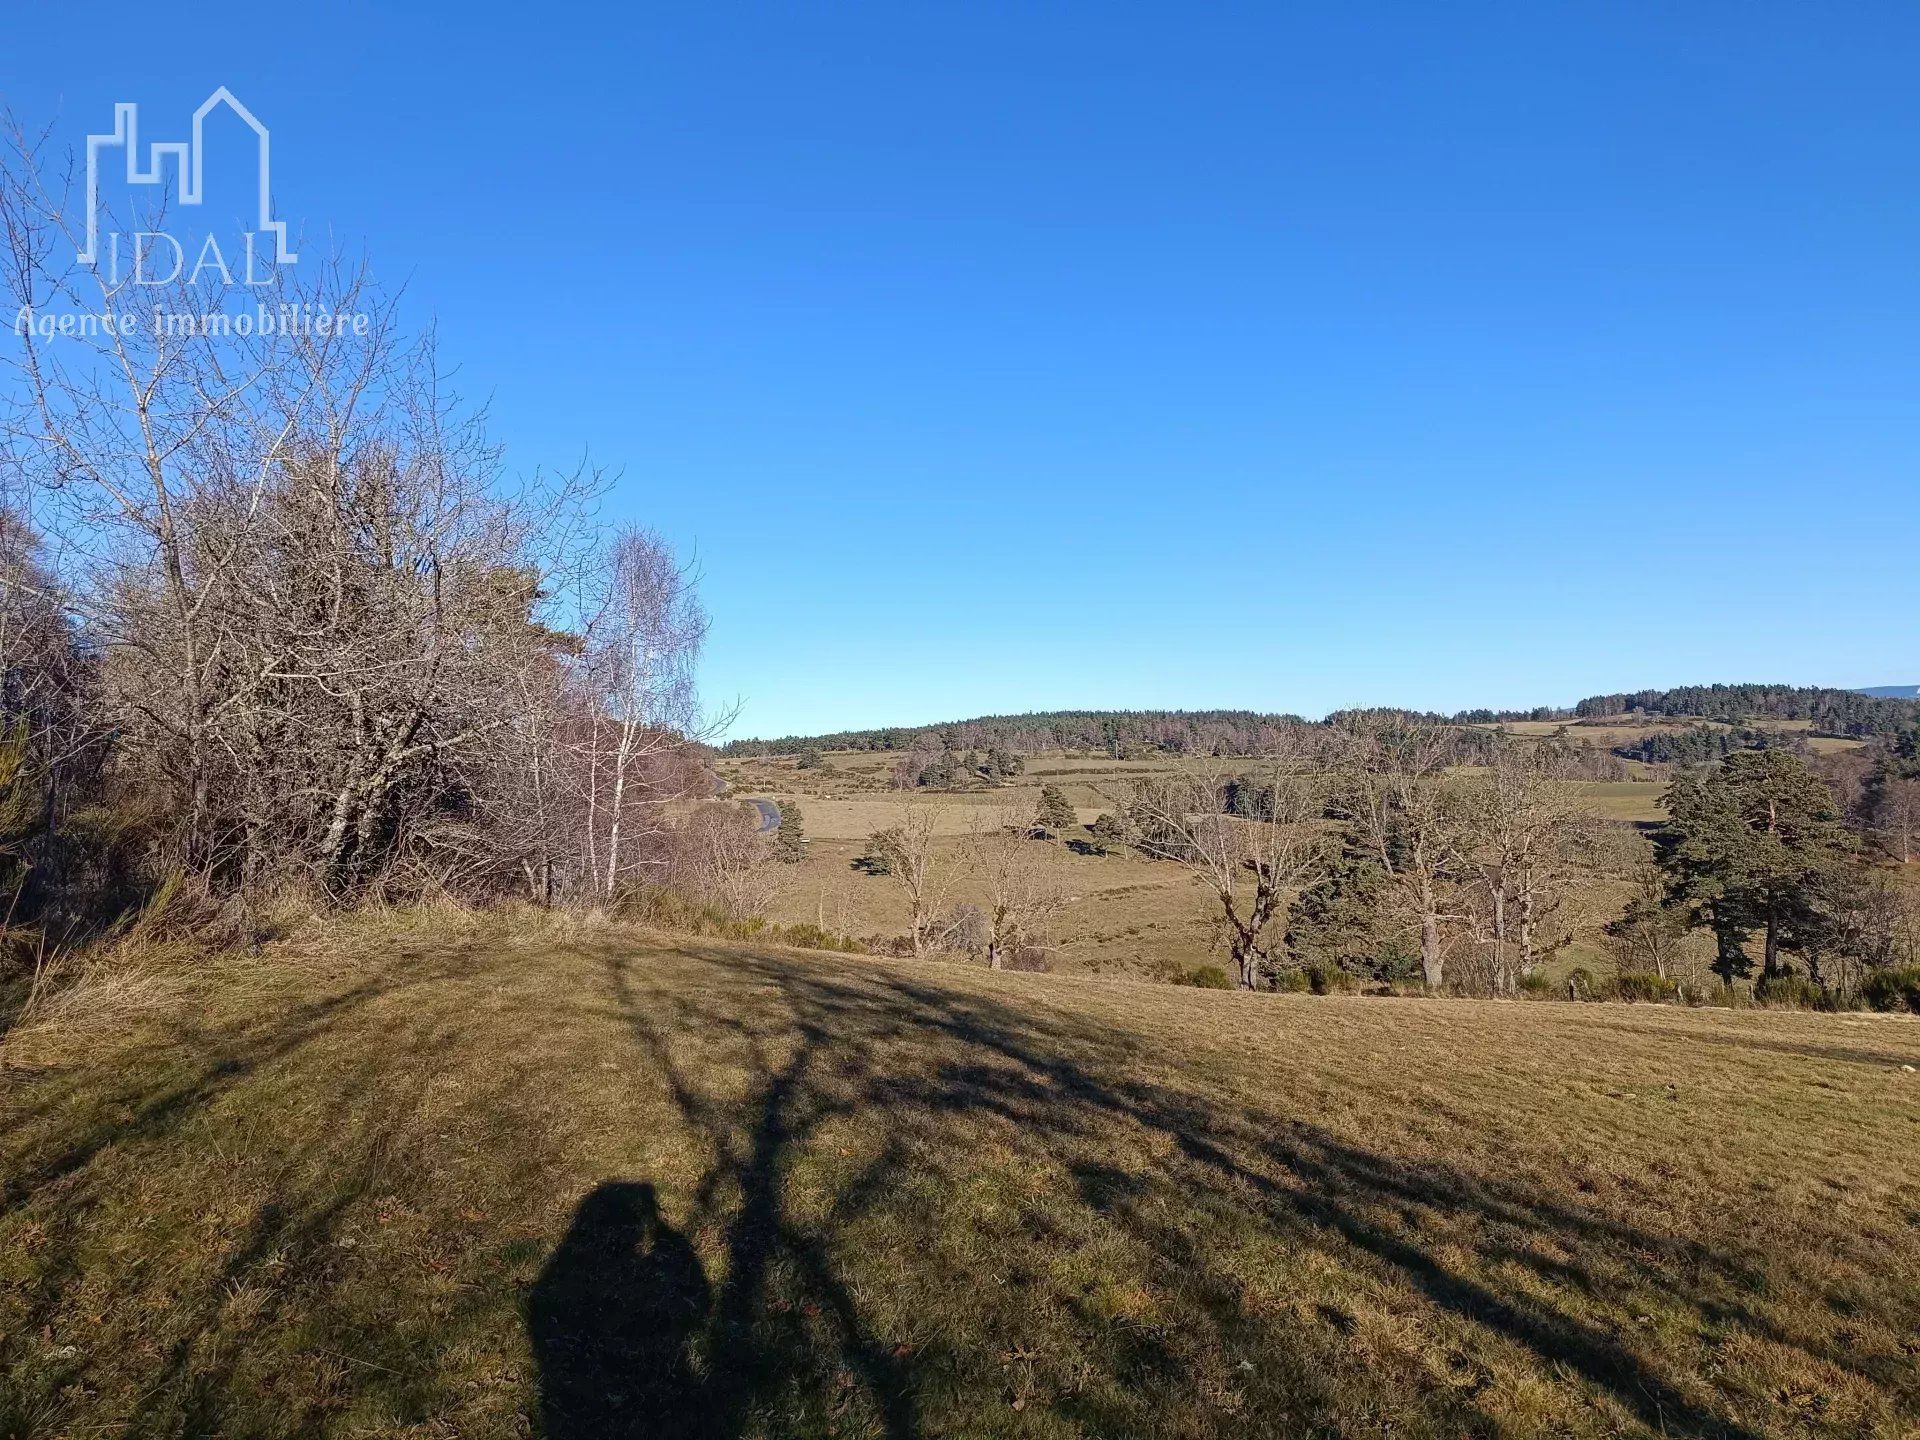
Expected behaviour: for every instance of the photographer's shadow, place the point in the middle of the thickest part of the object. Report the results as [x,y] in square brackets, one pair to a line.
[610,1320]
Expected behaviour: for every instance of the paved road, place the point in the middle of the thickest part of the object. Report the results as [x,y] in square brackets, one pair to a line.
[769,815]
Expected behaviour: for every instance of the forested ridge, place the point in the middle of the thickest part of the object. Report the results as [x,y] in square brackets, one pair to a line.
[1239,732]
[1832,712]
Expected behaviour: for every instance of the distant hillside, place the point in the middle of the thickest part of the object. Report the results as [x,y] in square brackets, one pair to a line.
[1118,732]
[1855,713]
[1886,710]
[1115,731]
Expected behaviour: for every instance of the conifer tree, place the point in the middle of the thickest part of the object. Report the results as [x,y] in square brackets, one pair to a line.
[1055,815]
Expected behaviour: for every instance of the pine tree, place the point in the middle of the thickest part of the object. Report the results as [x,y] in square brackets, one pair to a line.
[1056,815]
[1748,849]
[790,841]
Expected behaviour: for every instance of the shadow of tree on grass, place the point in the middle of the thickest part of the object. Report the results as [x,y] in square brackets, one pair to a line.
[833,1197]
[1169,1189]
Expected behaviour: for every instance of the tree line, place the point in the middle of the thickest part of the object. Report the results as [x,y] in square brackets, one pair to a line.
[1704,744]
[1119,734]
[1147,734]
[1832,712]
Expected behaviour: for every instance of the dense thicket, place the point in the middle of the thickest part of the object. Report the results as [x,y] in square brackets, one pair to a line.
[273,615]
[1704,744]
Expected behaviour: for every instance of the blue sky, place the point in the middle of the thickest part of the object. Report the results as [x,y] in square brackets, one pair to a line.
[1017,357]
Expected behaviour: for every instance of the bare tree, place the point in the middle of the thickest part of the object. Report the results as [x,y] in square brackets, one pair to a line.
[1895,815]
[720,857]
[1651,935]
[643,646]
[1020,894]
[338,641]
[1527,826]
[908,850]
[1412,817]
[1252,862]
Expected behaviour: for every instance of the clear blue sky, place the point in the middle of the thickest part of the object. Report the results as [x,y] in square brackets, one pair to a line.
[1006,357]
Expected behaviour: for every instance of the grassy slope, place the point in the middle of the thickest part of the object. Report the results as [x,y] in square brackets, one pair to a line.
[425,1184]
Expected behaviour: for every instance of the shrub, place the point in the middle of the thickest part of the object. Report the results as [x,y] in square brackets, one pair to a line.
[1331,980]
[1789,992]
[1205,977]
[808,936]
[1536,986]
[1109,835]
[1292,982]
[1029,958]
[1645,986]
[1893,989]
[668,909]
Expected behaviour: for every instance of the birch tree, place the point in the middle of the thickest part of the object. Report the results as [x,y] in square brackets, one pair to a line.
[644,645]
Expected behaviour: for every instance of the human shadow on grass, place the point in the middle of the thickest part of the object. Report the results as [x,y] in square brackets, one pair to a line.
[822,1040]
[610,1321]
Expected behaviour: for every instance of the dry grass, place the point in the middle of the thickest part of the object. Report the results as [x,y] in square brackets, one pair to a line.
[1124,914]
[401,1181]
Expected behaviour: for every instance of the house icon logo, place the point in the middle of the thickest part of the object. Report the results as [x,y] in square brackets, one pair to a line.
[188,158]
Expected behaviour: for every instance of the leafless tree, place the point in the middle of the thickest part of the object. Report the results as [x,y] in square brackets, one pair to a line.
[1253,863]
[1020,894]
[1413,818]
[909,851]
[719,856]
[1526,828]
[642,649]
[1651,936]
[338,641]
[1895,816]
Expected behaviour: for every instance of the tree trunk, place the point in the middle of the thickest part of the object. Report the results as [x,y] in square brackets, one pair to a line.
[1432,962]
[1500,981]
[1527,960]
[1246,961]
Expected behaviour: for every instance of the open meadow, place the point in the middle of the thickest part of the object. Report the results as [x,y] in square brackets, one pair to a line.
[443,1177]
[1124,913]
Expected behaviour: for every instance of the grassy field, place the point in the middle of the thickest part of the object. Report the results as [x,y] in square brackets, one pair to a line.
[1125,914]
[1625,731]
[589,1182]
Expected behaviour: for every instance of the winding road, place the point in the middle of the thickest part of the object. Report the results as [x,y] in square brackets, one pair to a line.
[769,815]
